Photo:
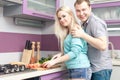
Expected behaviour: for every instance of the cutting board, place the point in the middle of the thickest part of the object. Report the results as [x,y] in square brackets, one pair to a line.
[55,66]
[36,66]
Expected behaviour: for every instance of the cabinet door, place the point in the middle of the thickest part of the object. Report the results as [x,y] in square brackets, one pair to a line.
[110,12]
[41,8]
[55,76]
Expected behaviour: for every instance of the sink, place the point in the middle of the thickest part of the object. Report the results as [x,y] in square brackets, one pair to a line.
[115,60]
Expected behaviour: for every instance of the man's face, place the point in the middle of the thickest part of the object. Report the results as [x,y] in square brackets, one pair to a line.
[83,11]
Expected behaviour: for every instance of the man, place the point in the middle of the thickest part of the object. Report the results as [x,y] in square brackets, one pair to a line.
[97,38]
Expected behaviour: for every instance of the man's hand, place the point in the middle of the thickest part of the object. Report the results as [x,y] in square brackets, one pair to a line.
[77,32]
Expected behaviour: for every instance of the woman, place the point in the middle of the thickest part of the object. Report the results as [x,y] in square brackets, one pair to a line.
[73,50]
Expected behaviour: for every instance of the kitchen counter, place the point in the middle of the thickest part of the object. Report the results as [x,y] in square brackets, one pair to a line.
[36,73]
[30,74]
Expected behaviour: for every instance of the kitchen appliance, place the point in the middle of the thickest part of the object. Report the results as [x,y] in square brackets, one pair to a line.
[9,68]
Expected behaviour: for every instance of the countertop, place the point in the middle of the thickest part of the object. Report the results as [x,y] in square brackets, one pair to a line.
[29,74]
[35,73]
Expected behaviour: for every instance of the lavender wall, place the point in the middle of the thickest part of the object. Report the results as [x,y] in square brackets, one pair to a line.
[15,42]
[49,42]
[116,41]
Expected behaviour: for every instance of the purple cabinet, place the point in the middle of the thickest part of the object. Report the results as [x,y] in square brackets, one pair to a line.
[110,11]
[62,75]
[33,9]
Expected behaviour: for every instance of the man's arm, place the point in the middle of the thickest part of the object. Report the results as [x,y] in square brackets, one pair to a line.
[99,43]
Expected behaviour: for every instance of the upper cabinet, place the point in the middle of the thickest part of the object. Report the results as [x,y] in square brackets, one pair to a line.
[33,9]
[9,2]
[109,11]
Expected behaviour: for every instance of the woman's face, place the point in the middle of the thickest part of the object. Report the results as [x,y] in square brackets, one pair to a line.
[64,18]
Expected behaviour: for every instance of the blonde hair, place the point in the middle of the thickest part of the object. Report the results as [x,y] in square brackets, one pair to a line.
[61,32]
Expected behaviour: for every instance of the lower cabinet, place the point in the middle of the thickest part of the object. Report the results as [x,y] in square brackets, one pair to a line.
[62,75]
[115,73]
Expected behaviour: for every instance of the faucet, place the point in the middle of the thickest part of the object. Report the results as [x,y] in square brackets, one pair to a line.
[113,55]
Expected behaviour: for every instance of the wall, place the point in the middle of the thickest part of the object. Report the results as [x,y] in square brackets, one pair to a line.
[13,38]
[70,3]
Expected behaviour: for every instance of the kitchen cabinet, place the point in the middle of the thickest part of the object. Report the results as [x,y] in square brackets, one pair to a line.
[110,12]
[102,1]
[15,1]
[33,9]
[55,76]
[9,2]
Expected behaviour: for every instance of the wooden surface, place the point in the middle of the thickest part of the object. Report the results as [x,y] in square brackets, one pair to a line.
[26,56]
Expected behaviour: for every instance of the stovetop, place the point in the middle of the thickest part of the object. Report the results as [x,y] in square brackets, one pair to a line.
[8,69]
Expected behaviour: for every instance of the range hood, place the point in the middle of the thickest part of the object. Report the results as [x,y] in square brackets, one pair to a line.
[29,22]
[9,2]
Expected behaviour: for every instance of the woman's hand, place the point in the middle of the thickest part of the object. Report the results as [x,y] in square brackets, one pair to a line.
[57,56]
[48,64]
[51,62]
